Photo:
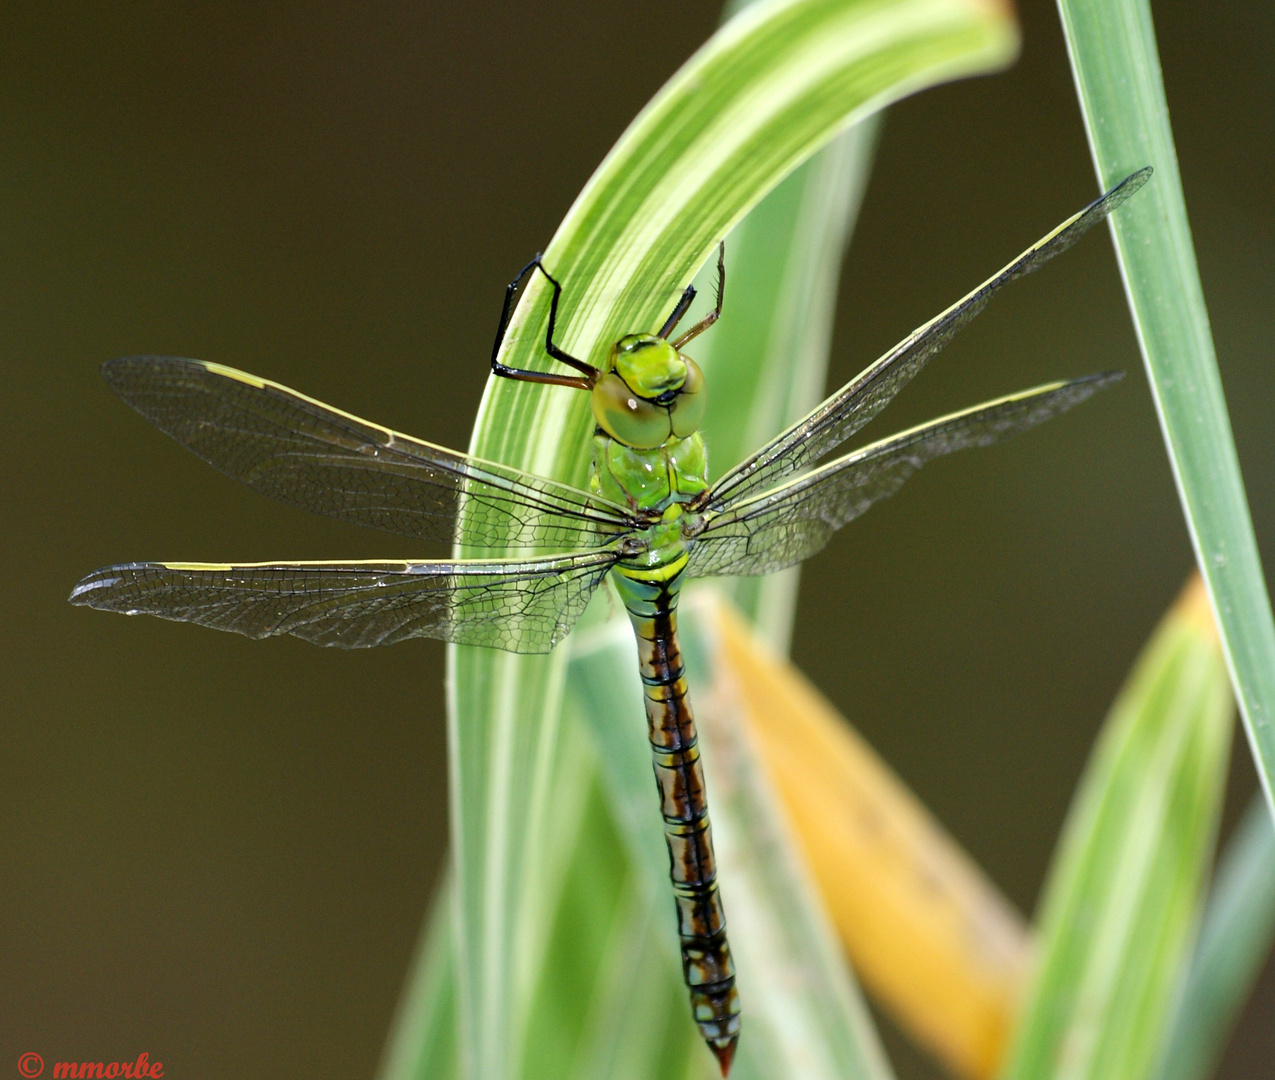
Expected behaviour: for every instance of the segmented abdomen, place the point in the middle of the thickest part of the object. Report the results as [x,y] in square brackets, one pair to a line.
[706,961]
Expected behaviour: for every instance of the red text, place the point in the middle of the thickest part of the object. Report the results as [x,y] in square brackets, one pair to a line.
[108,1070]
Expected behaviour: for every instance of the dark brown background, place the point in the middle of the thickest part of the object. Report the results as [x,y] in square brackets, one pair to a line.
[220,851]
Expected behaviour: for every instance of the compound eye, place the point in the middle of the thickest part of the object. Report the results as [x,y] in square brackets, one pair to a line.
[623,415]
[687,409]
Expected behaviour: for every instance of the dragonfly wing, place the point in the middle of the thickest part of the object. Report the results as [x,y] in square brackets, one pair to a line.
[308,454]
[846,411]
[790,523]
[522,606]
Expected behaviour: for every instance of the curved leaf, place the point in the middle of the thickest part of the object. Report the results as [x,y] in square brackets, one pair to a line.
[775,84]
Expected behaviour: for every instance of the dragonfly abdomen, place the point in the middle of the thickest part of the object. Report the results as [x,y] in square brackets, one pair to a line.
[650,596]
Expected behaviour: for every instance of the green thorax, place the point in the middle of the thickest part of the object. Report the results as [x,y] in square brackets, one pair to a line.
[657,482]
[648,480]
[648,453]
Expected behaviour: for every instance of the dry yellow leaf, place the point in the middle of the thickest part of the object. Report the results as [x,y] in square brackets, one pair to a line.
[927,933]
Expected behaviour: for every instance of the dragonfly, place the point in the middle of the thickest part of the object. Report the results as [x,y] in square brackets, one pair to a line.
[651,519]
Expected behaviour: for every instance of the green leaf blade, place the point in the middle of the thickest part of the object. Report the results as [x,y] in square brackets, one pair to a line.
[767,364]
[1117,71]
[1235,939]
[765,93]
[1121,902]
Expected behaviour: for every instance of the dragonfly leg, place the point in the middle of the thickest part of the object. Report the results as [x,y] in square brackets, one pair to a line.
[589,374]
[684,302]
[713,315]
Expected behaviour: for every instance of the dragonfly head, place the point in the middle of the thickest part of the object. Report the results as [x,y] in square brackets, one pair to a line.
[648,393]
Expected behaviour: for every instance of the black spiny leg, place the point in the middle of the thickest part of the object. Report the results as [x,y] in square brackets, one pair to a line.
[588,373]
[688,295]
[713,315]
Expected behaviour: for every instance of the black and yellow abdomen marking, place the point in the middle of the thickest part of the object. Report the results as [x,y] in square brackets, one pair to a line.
[650,596]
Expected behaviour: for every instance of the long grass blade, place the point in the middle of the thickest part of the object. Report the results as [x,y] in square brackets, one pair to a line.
[1117,71]
[773,86]
[784,263]
[767,363]
[1235,940]
[1122,899]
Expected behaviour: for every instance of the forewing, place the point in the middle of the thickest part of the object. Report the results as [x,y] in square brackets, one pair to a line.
[792,522]
[846,411]
[525,607]
[307,454]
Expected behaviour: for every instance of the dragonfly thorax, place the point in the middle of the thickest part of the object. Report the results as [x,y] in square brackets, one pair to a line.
[649,393]
[649,481]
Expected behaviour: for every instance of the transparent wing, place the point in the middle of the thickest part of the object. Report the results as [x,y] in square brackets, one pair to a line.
[846,411]
[792,522]
[307,454]
[525,607]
